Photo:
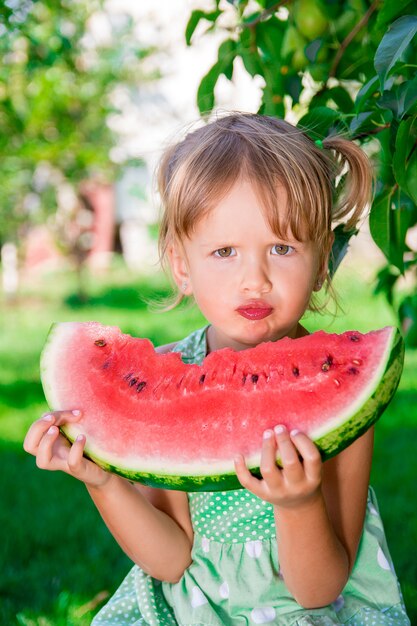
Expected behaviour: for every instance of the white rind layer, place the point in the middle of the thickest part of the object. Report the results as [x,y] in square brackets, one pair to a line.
[59,335]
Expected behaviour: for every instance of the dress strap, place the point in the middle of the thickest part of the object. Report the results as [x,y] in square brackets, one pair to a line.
[193,348]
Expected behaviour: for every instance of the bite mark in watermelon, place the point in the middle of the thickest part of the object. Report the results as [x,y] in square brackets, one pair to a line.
[154,419]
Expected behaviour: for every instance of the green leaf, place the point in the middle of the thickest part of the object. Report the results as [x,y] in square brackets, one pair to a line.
[341,98]
[194,20]
[269,36]
[386,280]
[248,51]
[272,100]
[390,9]
[404,160]
[365,92]
[293,86]
[205,92]
[312,49]
[410,95]
[391,216]
[393,44]
[361,122]
[226,56]
[408,315]
[340,246]
[320,121]
[224,65]
[379,221]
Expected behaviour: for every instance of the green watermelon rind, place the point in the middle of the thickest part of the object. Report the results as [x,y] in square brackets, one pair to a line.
[330,444]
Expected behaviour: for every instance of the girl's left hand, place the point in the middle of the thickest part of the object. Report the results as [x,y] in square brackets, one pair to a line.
[299,478]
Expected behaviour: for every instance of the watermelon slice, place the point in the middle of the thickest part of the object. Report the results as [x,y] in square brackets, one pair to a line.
[154,419]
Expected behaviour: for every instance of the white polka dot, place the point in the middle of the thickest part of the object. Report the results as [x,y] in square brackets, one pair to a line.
[205,544]
[254,549]
[224,590]
[382,560]
[263,615]
[198,598]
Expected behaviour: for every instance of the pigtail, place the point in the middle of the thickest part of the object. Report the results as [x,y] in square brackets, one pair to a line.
[354,187]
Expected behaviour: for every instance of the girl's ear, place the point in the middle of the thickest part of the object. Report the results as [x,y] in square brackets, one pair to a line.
[179,268]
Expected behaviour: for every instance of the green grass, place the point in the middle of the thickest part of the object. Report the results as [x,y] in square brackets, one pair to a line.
[58,561]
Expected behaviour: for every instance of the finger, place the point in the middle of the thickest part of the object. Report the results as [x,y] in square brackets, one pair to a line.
[75,456]
[66,416]
[312,462]
[36,432]
[293,470]
[269,469]
[46,457]
[246,479]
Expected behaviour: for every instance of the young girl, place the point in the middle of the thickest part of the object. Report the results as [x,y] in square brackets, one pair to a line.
[249,203]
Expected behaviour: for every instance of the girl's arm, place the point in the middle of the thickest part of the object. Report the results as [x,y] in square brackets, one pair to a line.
[159,541]
[157,536]
[319,511]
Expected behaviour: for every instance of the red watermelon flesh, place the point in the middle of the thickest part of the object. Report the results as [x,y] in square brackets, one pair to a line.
[155,419]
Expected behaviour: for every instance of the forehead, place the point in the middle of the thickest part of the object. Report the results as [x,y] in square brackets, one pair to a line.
[244,209]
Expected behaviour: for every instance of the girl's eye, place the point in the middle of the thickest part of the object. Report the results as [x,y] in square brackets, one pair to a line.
[225,252]
[282,249]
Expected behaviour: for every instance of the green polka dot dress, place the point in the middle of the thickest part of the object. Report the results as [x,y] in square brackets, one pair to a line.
[234,577]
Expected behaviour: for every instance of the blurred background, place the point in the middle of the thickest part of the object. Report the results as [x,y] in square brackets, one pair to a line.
[91,91]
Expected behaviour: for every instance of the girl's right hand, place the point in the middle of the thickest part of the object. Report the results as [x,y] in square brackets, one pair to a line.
[54,452]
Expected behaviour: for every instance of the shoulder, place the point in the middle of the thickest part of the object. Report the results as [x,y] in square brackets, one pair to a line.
[168,347]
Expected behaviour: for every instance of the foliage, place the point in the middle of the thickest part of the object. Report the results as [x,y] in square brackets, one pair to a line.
[58,78]
[346,67]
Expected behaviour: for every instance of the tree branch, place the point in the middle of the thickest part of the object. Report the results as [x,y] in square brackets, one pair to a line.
[348,39]
[374,131]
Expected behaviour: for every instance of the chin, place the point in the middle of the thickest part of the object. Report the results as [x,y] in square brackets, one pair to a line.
[254,336]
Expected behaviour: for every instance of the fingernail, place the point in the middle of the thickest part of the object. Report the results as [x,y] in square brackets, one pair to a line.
[76,412]
[80,438]
[238,458]
[279,429]
[51,431]
[294,432]
[268,434]
[48,418]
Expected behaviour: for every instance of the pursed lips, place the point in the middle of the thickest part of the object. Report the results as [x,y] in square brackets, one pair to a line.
[254,310]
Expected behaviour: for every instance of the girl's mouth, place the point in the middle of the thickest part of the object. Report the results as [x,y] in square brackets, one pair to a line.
[253,312]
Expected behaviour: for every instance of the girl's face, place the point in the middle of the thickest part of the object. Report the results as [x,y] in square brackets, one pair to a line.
[249,284]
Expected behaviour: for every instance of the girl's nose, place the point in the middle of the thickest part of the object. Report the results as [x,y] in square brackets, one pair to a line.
[255,279]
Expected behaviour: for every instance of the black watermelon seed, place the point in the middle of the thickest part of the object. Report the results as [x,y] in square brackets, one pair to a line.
[244,379]
[202,379]
[255,378]
[354,338]
[133,382]
[100,343]
[327,363]
[140,386]
[295,371]
[128,376]
[353,370]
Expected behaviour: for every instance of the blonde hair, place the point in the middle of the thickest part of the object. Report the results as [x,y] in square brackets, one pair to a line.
[326,184]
